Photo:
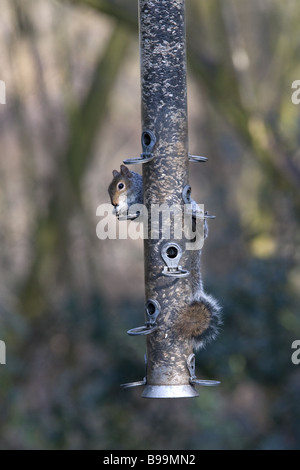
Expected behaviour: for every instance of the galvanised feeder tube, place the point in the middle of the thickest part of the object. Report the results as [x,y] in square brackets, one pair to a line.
[164,113]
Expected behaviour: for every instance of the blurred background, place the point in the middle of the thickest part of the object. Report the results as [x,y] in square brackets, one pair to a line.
[72,114]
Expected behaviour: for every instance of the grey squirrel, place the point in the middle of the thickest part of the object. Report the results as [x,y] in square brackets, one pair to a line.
[200,319]
[125,190]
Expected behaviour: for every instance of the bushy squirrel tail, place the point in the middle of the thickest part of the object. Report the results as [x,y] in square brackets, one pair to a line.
[200,320]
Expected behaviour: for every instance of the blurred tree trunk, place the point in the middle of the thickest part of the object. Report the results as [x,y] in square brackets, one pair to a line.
[50,261]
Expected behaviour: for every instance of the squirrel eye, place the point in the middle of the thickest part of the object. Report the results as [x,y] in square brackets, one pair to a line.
[120,185]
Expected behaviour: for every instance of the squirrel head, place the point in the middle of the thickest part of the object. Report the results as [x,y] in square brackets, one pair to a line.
[120,188]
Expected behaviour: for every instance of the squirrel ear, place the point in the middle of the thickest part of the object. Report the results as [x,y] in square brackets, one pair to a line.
[125,171]
[115,173]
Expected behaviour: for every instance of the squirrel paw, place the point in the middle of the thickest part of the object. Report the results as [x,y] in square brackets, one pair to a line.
[200,320]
